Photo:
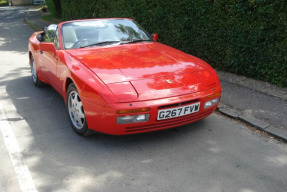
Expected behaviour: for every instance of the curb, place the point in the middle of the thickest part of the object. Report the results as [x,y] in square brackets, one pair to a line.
[258,124]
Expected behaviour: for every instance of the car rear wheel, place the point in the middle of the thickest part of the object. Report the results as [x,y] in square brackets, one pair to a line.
[76,112]
[34,74]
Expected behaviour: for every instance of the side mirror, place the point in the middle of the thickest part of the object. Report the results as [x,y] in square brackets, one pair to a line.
[155,36]
[48,47]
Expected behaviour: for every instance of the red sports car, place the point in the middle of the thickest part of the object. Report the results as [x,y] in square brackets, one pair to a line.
[117,79]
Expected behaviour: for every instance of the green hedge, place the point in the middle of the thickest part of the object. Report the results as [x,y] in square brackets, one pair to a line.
[3,3]
[54,7]
[246,37]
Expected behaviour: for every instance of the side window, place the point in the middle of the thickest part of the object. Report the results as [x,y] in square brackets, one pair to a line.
[56,39]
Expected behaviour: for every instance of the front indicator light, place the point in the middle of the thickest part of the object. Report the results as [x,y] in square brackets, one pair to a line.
[213,95]
[133,119]
[133,110]
[211,103]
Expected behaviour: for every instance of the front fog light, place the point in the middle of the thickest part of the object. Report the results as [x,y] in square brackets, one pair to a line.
[211,103]
[133,119]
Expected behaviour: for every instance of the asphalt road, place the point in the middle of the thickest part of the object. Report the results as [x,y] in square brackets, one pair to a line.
[214,154]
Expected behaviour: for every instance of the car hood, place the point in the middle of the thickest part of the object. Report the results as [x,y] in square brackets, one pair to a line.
[151,68]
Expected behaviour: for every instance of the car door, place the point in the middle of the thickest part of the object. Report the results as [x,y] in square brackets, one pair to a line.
[49,61]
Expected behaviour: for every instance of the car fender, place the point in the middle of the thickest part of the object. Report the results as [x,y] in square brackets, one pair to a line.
[90,87]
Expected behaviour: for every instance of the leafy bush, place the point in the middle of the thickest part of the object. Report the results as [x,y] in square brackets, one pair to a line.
[247,37]
[54,6]
[4,3]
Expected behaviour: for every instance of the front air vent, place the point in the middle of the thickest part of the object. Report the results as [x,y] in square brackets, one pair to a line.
[178,104]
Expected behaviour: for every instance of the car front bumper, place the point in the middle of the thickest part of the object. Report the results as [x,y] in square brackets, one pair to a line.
[104,118]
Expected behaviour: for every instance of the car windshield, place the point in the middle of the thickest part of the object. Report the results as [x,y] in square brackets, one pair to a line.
[80,34]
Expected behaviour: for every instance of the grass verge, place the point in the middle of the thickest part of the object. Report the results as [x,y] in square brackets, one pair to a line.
[35,27]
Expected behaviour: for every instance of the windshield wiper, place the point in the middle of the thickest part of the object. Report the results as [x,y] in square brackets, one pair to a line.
[135,41]
[100,43]
[110,42]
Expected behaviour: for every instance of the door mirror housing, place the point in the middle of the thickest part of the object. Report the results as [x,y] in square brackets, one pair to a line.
[155,36]
[48,47]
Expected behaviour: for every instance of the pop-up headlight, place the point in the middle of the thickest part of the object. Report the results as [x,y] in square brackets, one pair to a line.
[124,91]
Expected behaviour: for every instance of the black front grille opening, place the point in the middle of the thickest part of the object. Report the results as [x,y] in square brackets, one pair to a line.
[173,122]
[178,104]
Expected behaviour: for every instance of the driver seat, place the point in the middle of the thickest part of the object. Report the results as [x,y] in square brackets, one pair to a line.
[69,36]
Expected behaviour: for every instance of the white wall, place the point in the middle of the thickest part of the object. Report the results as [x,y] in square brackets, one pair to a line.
[22,2]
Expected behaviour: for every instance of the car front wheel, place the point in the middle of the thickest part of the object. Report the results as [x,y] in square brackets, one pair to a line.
[76,112]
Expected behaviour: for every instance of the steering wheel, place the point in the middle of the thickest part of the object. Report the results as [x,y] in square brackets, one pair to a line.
[81,43]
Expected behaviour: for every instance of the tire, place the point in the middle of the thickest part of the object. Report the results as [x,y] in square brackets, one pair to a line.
[34,74]
[76,112]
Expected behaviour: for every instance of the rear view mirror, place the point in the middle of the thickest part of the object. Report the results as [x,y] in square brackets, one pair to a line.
[155,36]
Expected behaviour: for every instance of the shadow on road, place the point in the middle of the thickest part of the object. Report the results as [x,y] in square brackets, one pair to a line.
[45,113]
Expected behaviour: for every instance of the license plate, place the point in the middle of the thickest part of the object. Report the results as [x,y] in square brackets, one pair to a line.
[178,111]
